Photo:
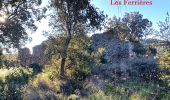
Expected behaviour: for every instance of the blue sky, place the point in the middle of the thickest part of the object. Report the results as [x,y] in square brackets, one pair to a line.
[155,13]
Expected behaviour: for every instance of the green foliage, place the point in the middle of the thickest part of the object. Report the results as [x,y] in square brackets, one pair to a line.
[53,67]
[135,90]
[164,29]
[79,13]
[1,58]
[132,26]
[165,67]
[54,47]
[72,18]
[36,93]
[16,21]
[70,87]
[36,68]
[82,71]
[136,96]
[139,49]
[136,24]
[100,95]
[78,62]
[45,85]
[11,82]
[109,88]
[145,68]
[73,97]
[99,56]
[164,60]
[152,50]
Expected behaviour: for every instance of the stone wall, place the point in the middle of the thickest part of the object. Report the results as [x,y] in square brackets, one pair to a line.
[25,56]
[38,56]
[117,52]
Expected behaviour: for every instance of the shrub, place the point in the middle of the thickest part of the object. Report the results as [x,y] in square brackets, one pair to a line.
[152,50]
[139,49]
[137,96]
[145,68]
[165,67]
[73,97]
[11,82]
[44,86]
[70,87]
[35,93]
[36,68]
[100,95]
[82,71]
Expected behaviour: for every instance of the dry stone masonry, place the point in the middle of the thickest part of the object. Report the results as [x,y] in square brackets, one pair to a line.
[38,57]
[25,56]
[116,51]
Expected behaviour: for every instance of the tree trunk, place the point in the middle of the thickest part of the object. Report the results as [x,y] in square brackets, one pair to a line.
[64,56]
[62,67]
[1,58]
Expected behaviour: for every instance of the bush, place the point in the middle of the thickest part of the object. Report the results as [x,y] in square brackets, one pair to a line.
[165,67]
[136,90]
[73,97]
[11,82]
[145,68]
[44,86]
[82,71]
[36,68]
[35,93]
[139,49]
[152,50]
[100,95]
[70,87]
[137,96]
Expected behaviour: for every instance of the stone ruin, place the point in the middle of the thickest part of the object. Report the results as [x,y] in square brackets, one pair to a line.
[24,56]
[37,56]
[117,54]
[116,51]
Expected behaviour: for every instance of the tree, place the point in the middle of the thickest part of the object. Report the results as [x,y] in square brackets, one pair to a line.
[16,17]
[164,29]
[136,24]
[120,29]
[1,58]
[78,58]
[71,15]
[132,26]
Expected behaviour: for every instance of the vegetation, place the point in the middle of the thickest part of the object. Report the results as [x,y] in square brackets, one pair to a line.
[165,67]
[71,17]
[74,69]
[131,27]
[164,28]
[17,16]
[12,81]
